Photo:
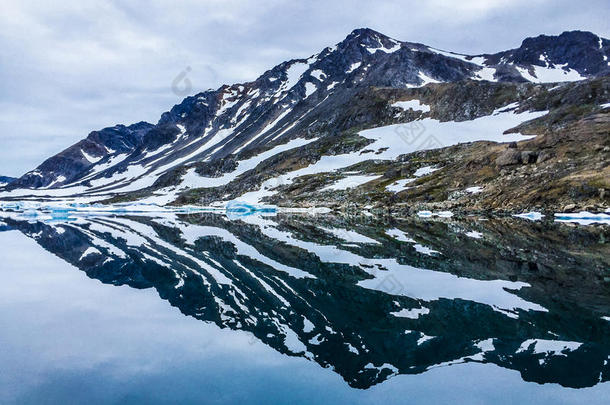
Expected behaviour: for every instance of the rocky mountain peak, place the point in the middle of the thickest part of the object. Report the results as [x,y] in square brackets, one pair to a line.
[288,100]
[566,39]
[584,52]
[365,38]
[366,34]
[5,180]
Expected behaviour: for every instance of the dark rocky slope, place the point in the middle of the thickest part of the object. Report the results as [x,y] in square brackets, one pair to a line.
[5,180]
[564,168]
[329,96]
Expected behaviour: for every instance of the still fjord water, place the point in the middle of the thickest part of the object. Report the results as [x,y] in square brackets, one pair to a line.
[299,309]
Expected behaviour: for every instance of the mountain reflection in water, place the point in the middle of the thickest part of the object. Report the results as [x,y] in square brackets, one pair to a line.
[370,298]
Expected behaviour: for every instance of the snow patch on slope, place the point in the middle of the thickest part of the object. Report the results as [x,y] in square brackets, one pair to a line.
[350,182]
[91,159]
[294,73]
[414,105]
[411,313]
[391,142]
[559,73]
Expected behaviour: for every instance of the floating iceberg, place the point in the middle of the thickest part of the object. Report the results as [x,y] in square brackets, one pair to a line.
[583,218]
[532,216]
[236,209]
[430,214]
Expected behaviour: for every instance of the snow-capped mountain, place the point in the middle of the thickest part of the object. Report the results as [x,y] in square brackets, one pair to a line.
[5,180]
[220,134]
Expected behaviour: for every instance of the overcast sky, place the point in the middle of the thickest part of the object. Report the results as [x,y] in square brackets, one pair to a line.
[72,66]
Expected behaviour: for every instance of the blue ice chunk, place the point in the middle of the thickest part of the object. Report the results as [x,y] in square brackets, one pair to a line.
[235,209]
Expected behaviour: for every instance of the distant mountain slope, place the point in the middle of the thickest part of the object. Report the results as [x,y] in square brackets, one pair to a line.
[87,156]
[4,180]
[210,133]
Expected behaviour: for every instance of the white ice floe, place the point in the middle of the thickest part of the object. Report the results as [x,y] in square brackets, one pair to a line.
[414,105]
[308,210]
[350,182]
[532,216]
[583,218]
[68,211]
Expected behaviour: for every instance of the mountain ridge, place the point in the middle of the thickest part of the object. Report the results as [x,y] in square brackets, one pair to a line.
[234,121]
[5,180]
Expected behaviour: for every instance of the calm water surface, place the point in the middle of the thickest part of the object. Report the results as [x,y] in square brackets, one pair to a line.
[300,309]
